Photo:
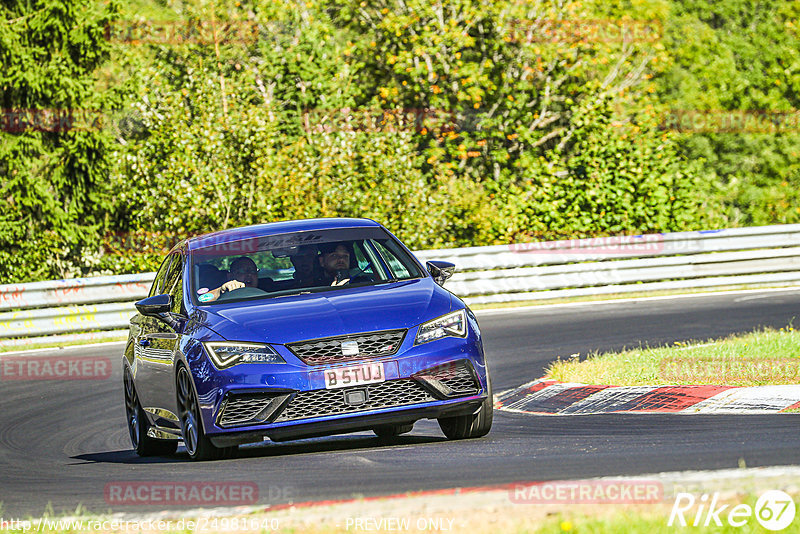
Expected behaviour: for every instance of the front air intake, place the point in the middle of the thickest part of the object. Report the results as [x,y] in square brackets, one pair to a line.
[454,379]
[250,409]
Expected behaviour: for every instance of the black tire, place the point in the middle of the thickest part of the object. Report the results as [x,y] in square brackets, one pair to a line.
[138,425]
[472,425]
[388,432]
[195,440]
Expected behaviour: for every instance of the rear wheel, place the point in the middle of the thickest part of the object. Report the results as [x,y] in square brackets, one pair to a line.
[388,432]
[195,440]
[472,425]
[143,444]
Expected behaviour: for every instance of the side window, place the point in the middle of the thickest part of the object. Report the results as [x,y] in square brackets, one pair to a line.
[362,262]
[399,270]
[174,280]
[176,274]
[158,282]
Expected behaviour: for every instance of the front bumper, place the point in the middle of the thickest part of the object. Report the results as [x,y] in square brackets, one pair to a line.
[248,403]
[351,423]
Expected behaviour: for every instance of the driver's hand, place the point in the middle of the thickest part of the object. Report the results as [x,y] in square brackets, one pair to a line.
[231,285]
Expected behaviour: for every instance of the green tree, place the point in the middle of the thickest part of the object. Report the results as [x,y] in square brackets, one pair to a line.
[517,96]
[462,122]
[52,150]
[735,65]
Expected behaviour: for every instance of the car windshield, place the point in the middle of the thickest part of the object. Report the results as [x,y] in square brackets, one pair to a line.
[298,262]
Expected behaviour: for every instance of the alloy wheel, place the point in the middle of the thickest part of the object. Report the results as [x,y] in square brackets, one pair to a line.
[187,407]
[132,409]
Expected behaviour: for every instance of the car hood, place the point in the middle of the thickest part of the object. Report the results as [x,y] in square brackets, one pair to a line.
[331,313]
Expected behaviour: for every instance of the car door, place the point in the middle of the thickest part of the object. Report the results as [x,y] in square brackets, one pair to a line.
[139,323]
[155,347]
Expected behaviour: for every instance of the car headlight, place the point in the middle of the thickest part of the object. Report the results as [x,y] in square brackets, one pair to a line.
[226,354]
[450,325]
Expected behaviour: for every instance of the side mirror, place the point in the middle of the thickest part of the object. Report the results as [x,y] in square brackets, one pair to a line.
[440,270]
[155,306]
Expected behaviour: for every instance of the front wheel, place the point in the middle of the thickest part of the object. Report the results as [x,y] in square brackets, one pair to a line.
[471,425]
[143,444]
[195,440]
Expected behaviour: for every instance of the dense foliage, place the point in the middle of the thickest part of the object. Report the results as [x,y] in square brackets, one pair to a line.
[734,56]
[462,122]
[54,192]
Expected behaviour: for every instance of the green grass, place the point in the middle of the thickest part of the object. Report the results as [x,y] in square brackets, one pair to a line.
[511,518]
[764,357]
[652,521]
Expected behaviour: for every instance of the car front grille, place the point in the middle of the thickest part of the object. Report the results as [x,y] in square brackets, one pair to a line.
[323,402]
[329,350]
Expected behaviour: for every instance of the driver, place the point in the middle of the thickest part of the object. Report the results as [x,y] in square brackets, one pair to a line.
[243,273]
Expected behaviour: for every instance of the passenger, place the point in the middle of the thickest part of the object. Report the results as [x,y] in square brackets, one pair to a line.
[243,273]
[306,267]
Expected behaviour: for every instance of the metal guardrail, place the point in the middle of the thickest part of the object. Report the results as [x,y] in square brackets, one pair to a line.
[75,291]
[767,255]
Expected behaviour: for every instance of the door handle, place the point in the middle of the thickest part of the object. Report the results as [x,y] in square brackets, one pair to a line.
[161,335]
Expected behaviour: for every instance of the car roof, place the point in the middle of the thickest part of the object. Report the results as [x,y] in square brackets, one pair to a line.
[261,230]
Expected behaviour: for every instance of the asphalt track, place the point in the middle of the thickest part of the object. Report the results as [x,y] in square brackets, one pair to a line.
[62,441]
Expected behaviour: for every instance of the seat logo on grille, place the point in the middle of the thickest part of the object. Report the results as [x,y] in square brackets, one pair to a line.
[349,348]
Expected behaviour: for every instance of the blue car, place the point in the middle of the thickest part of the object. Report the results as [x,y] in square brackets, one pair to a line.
[299,329]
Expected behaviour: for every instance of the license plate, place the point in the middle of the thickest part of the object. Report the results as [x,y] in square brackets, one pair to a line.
[342,377]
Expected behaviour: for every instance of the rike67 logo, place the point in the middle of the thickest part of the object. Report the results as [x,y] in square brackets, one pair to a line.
[774,510]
